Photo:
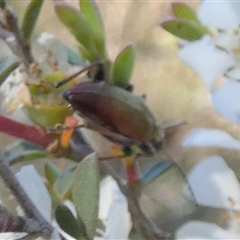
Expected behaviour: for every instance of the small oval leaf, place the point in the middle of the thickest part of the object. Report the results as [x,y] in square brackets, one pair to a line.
[86,193]
[68,223]
[123,66]
[7,66]
[91,12]
[154,170]
[64,183]
[183,10]
[22,150]
[52,173]
[184,28]
[78,26]
[47,116]
[30,18]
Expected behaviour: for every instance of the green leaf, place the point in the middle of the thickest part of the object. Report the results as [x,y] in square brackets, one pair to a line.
[68,223]
[30,18]
[52,173]
[78,26]
[22,150]
[64,183]
[154,170]
[46,115]
[7,66]
[123,66]
[182,10]
[91,12]
[184,28]
[86,193]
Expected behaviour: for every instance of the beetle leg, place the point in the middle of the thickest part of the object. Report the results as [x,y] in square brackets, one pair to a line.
[147,148]
[59,128]
[109,133]
[174,125]
[70,78]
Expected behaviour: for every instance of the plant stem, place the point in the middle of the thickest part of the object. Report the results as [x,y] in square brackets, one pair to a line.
[142,224]
[30,133]
[37,220]
[12,26]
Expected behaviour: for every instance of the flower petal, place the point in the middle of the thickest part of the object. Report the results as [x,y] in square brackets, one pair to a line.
[227,40]
[12,236]
[220,14]
[234,73]
[5,51]
[226,100]
[209,137]
[15,91]
[54,46]
[114,210]
[208,61]
[34,187]
[202,230]
[105,197]
[214,184]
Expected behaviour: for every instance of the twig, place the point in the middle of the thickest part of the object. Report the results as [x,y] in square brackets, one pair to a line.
[36,222]
[31,133]
[12,26]
[11,223]
[141,222]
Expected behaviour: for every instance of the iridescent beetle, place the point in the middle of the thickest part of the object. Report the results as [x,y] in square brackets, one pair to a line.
[119,115]
[116,113]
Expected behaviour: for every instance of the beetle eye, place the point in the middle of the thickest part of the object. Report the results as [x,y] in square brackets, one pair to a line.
[66,95]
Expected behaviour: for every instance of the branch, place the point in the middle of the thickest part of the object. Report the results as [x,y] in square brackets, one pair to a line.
[12,26]
[36,223]
[13,223]
[30,133]
[141,222]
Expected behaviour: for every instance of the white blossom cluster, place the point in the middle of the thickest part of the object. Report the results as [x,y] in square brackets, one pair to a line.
[216,59]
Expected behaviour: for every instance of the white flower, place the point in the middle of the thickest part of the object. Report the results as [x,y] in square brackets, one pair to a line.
[214,184]
[202,230]
[220,14]
[226,100]
[210,137]
[53,46]
[15,91]
[218,56]
[55,56]
[206,59]
[34,187]
[113,210]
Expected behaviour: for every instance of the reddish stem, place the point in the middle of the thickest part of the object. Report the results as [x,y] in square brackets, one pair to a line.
[133,174]
[30,133]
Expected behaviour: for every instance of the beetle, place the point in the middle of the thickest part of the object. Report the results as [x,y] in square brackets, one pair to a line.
[116,113]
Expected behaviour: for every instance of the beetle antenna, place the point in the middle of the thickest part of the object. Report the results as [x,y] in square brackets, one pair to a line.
[174,125]
[86,68]
[183,174]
